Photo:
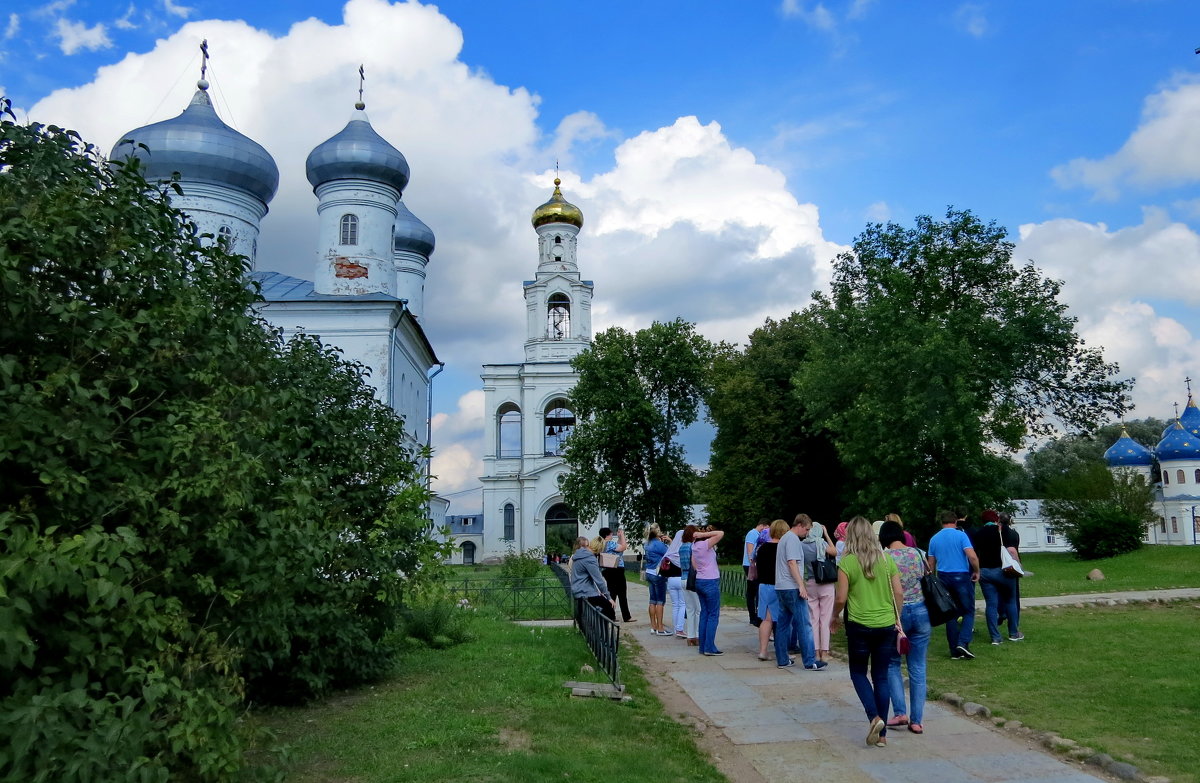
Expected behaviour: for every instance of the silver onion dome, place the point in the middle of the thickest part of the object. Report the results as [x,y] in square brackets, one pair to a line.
[411,233]
[357,152]
[201,148]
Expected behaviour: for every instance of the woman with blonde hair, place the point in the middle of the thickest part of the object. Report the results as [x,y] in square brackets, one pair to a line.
[908,537]
[869,583]
[656,547]
[768,605]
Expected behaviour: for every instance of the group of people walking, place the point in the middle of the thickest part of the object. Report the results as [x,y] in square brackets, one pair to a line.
[803,584]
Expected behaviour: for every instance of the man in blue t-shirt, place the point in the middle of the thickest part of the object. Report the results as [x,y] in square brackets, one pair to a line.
[748,548]
[952,555]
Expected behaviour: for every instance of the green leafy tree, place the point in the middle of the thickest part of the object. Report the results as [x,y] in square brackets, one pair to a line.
[935,354]
[767,458]
[1100,512]
[191,513]
[636,391]
[1059,456]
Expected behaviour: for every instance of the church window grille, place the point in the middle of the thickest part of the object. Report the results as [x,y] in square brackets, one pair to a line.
[558,323]
[1049,535]
[224,236]
[1179,477]
[349,230]
[1174,524]
[510,522]
[508,431]
[560,423]
[468,552]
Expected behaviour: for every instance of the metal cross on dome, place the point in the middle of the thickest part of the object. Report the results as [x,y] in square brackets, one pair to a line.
[203,58]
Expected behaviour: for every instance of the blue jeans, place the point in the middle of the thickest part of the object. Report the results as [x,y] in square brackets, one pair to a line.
[658,589]
[1000,592]
[875,647]
[960,630]
[914,619]
[709,592]
[792,627]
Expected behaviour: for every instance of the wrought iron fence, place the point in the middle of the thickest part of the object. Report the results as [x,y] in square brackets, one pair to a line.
[529,598]
[603,636]
[733,583]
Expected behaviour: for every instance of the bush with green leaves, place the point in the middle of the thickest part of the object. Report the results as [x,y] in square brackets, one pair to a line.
[1100,513]
[193,514]
[523,565]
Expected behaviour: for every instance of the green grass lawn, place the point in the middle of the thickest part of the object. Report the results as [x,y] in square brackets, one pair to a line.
[1151,567]
[492,709]
[1120,679]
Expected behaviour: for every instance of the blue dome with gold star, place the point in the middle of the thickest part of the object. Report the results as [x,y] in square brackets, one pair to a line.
[1128,452]
[1191,417]
[1178,444]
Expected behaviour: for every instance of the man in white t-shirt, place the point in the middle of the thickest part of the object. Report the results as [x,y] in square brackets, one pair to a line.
[792,627]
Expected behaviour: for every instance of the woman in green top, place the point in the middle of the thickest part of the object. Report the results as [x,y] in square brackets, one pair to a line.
[870,581]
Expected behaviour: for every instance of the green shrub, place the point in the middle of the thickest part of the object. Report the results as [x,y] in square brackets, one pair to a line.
[433,618]
[1099,513]
[523,565]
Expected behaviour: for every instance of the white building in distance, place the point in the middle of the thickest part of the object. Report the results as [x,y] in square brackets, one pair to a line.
[526,413]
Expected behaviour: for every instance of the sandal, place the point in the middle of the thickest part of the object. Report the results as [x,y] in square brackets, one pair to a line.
[899,720]
[916,728]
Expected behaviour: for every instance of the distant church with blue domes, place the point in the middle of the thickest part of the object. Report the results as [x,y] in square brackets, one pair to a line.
[1177,481]
[368,285]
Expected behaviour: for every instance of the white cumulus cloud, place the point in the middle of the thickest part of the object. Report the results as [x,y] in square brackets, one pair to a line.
[1163,150]
[73,36]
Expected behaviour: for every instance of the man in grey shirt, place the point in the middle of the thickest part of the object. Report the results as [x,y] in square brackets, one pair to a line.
[792,627]
[587,583]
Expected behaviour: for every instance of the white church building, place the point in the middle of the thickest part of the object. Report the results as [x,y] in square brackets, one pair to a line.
[526,410]
[367,289]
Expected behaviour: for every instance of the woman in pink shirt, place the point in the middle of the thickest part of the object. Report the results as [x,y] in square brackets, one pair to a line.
[708,587]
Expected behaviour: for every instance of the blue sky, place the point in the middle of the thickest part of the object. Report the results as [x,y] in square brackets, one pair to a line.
[722,152]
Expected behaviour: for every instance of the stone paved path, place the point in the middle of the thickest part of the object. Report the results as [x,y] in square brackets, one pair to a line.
[797,725]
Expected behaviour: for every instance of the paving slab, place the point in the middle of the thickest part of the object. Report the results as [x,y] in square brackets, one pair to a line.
[797,725]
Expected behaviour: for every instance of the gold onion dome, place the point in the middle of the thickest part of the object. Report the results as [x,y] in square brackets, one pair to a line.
[558,210]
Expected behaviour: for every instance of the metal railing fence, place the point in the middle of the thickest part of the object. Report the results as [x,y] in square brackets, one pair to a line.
[603,636]
[531,598]
[733,583]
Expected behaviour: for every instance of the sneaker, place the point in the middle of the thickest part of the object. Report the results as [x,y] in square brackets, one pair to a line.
[817,666]
[881,742]
[995,642]
[964,653]
[1018,638]
[714,653]
[877,727]
[791,662]
[955,655]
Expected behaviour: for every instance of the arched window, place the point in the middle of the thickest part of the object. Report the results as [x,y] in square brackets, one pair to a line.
[558,322]
[1166,478]
[349,230]
[224,236]
[560,423]
[510,522]
[1174,524]
[1198,476]
[508,431]
[468,550]
[1179,477]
